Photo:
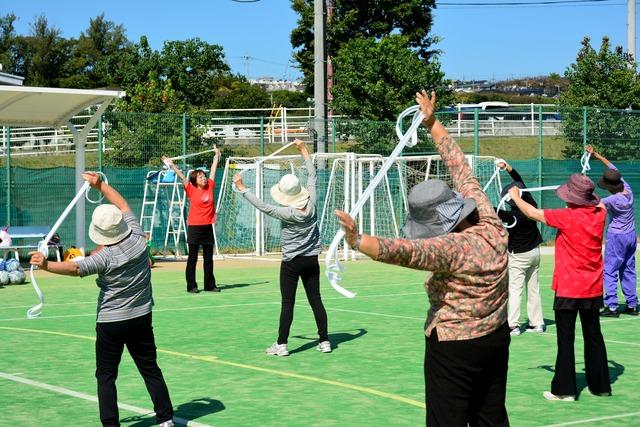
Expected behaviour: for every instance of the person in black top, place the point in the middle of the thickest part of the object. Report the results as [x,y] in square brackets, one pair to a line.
[524,258]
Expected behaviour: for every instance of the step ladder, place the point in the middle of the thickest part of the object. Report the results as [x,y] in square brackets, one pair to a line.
[149,202]
[176,227]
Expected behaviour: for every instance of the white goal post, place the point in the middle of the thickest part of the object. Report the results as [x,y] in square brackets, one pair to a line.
[241,229]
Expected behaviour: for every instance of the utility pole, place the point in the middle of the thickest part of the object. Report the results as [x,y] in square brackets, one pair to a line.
[319,75]
[631,28]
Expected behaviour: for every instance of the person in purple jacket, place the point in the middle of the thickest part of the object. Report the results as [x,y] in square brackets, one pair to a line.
[620,243]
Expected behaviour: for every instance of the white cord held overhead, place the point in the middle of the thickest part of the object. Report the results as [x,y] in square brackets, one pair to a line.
[43,246]
[495,173]
[408,139]
[263,159]
[584,162]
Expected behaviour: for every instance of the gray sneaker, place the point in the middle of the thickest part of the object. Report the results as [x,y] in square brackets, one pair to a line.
[278,349]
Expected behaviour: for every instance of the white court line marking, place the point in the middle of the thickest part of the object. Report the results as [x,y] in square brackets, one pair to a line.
[593,420]
[94,399]
[210,307]
[376,314]
[157,298]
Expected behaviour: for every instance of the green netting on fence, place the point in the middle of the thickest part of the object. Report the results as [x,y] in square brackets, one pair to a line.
[37,177]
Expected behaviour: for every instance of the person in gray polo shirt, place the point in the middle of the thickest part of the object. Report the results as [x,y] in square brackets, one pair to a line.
[300,248]
[124,302]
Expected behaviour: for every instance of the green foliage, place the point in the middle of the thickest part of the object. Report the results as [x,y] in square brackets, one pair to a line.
[350,19]
[604,79]
[376,80]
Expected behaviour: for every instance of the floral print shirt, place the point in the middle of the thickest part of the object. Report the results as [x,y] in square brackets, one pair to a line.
[468,286]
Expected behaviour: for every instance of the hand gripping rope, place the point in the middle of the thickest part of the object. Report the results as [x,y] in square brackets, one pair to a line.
[43,246]
[262,160]
[408,139]
[496,174]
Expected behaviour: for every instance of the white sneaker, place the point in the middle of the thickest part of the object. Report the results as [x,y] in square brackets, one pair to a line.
[564,398]
[167,424]
[535,329]
[515,331]
[278,349]
[324,347]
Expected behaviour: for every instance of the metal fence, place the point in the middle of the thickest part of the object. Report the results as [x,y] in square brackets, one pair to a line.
[37,175]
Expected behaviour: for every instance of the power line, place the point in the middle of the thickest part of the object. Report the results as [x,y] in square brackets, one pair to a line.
[524,3]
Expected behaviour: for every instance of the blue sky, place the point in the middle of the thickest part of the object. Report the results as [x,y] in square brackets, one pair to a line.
[477,42]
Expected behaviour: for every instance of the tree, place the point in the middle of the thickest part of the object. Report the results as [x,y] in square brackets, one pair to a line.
[192,66]
[602,82]
[44,53]
[376,80]
[88,66]
[349,19]
[7,42]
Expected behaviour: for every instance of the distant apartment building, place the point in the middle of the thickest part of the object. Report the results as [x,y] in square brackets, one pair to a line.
[270,84]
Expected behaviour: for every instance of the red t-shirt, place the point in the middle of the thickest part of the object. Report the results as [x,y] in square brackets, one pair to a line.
[202,210]
[578,269]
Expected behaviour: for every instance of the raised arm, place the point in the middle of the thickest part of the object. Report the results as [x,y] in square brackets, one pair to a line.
[279,212]
[454,159]
[214,163]
[515,176]
[311,169]
[167,161]
[109,192]
[603,159]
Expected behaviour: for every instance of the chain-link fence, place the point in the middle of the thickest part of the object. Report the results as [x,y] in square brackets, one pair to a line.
[37,165]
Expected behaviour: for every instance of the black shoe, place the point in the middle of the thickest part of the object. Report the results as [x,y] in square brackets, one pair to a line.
[632,311]
[194,291]
[215,289]
[607,312]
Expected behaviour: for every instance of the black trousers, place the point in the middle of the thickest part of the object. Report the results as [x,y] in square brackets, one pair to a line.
[198,235]
[466,381]
[137,335]
[595,353]
[306,268]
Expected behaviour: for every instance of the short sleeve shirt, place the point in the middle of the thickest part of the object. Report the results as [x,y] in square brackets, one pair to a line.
[124,276]
[202,210]
[578,260]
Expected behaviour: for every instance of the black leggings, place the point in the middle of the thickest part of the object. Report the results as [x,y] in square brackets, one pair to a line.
[306,268]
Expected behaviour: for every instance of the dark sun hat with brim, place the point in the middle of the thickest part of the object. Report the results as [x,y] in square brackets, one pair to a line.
[611,180]
[578,190]
[435,210]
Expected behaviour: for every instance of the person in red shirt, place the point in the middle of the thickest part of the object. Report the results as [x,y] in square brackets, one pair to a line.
[577,282]
[202,216]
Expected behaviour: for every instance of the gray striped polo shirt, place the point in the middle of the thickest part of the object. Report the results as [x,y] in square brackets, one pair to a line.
[300,234]
[124,276]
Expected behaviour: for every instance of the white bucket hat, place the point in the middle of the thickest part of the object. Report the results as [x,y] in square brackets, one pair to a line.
[107,225]
[288,191]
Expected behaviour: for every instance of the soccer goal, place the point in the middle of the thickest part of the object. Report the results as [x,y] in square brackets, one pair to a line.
[342,179]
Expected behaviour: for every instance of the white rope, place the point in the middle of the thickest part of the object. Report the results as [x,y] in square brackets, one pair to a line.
[507,197]
[334,269]
[495,174]
[584,162]
[43,246]
[262,160]
[186,156]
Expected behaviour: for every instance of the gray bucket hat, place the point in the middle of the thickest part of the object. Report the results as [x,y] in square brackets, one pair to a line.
[435,210]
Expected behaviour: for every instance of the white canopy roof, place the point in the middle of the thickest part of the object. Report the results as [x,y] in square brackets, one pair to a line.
[49,107]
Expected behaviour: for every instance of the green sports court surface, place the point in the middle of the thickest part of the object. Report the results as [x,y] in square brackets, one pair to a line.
[211,351]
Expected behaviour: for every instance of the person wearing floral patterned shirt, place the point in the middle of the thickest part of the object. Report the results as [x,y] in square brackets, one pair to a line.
[457,236]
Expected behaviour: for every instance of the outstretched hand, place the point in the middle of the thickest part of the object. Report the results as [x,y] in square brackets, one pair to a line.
[237,180]
[216,151]
[349,226]
[38,260]
[167,161]
[93,178]
[427,105]
[589,149]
